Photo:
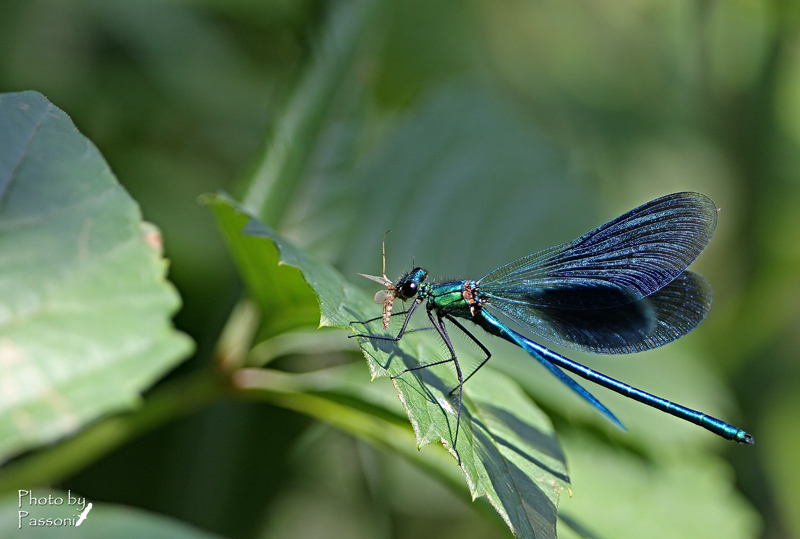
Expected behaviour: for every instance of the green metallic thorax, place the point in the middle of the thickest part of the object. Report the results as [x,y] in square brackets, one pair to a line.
[457,298]
[448,297]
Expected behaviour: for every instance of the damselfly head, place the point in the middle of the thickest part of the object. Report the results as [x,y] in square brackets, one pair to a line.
[406,288]
[409,283]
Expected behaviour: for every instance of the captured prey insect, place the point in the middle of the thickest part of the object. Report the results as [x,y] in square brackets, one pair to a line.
[621,288]
[384,296]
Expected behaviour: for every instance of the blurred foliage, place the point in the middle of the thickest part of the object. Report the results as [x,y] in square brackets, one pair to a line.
[478,132]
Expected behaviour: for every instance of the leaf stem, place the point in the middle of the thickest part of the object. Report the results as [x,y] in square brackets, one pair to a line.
[284,390]
[164,404]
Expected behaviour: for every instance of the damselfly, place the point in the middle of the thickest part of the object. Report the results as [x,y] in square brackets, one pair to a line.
[621,288]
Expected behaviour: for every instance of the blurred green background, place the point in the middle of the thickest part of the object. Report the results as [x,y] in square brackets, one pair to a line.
[478,132]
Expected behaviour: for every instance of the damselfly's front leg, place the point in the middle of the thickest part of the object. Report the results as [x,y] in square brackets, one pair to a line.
[402,332]
[438,325]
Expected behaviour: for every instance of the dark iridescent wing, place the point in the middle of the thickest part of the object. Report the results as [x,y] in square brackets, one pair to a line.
[620,288]
[649,322]
[639,251]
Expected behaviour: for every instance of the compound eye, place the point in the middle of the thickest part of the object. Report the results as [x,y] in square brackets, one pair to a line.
[409,289]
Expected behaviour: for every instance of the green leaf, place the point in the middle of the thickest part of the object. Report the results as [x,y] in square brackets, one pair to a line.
[84,306]
[280,290]
[102,520]
[509,452]
[689,496]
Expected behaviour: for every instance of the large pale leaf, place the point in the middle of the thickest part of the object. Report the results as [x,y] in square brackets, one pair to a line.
[84,306]
[508,450]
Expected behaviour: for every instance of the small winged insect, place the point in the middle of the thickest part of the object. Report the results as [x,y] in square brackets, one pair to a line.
[621,288]
[386,297]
